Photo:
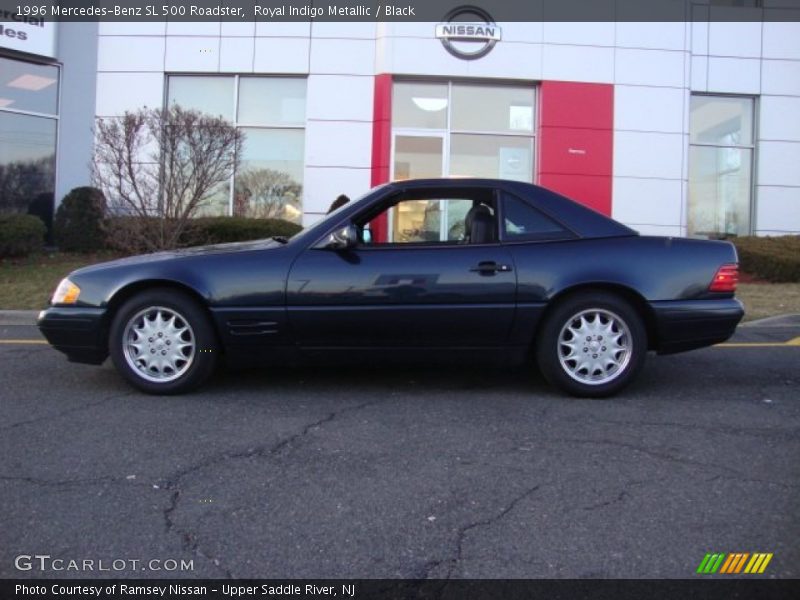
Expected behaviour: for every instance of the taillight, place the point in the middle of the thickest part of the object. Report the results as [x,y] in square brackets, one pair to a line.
[725,280]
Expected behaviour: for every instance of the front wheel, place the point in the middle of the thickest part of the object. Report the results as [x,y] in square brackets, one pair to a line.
[161,341]
[592,345]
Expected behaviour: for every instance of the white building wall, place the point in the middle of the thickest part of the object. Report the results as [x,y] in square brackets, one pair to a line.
[653,66]
[762,60]
[339,114]
[777,206]
[651,92]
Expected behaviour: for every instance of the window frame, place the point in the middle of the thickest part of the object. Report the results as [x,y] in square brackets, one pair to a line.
[237,77]
[753,158]
[53,117]
[448,131]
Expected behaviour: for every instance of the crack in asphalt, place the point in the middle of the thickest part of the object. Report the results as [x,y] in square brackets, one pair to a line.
[785,486]
[190,541]
[66,411]
[620,497]
[63,482]
[462,532]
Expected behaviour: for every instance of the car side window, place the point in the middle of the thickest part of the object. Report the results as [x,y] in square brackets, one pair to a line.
[521,221]
[439,220]
[428,221]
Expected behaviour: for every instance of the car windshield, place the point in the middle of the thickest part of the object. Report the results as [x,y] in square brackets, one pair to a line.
[332,216]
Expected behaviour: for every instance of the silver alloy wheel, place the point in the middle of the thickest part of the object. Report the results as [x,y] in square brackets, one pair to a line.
[595,346]
[158,344]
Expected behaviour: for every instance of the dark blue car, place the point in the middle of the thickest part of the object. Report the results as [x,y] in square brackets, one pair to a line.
[440,269]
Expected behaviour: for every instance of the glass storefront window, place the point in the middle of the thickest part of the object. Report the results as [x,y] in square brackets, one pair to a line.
[218,203]
[420,105]
[492,156]
[720,166]
[27,160]
[28,87]
[272,101]
[28,125]
[492,108]
[270,111]
[213,95]
[460,129]
[417,157]
[721,120]
[269,181]
[720,185]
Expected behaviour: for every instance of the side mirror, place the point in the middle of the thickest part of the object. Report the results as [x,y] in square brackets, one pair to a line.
[344,238]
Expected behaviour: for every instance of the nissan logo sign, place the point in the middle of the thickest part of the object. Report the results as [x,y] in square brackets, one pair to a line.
[468,39]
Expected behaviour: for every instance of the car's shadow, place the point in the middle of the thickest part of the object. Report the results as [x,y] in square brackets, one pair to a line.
[661,376]
[377,379]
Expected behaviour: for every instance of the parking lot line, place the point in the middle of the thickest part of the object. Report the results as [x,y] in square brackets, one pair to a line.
[792,342]
[11,342]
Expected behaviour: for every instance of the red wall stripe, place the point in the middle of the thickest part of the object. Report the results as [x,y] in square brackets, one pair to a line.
[381,144]
[576,141]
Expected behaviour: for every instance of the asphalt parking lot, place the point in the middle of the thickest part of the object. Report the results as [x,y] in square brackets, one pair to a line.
[409,472]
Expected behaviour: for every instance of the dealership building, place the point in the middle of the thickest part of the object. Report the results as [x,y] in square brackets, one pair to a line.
[673,128]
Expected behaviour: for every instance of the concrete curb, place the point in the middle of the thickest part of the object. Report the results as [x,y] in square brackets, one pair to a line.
[790,320]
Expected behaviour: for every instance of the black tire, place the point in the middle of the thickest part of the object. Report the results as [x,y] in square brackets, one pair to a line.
[189,354]
[598,370]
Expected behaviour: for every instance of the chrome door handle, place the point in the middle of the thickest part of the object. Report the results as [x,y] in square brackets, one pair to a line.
[490,267]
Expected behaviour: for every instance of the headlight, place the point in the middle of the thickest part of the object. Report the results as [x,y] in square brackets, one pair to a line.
[66,293]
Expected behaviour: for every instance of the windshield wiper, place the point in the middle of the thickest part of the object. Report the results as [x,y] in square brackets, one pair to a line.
[280,239]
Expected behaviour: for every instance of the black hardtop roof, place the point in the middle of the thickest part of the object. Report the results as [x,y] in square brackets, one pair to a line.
[581,219]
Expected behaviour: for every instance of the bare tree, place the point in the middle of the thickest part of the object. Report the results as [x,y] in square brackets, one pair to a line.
[158,168]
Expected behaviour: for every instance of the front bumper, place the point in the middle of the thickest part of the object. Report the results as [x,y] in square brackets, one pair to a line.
[78,332]
[688,324]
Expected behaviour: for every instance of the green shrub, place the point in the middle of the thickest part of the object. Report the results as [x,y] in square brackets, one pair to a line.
[126,234]
[21,235]
[775,259]
[79,221]
[219,230]
[42,206]
[131,234]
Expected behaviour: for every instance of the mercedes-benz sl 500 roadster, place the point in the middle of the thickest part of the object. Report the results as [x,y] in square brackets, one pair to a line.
[421,270]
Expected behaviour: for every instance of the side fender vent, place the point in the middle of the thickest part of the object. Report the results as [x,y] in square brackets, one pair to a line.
[252,327]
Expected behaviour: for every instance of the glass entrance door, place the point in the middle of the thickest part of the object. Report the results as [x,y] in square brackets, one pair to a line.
[415,157]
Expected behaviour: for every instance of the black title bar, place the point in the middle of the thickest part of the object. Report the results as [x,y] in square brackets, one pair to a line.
[392,589]
[399,10]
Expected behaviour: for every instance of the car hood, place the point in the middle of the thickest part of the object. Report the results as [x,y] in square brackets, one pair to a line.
[182,253]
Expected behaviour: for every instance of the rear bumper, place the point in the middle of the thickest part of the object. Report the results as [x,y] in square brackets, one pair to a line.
[688,324]
[77,332]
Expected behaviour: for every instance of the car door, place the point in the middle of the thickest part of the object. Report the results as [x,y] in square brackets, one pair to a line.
[413,290]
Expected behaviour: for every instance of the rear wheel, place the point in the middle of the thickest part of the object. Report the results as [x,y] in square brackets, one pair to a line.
[592,345]
[161,341]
